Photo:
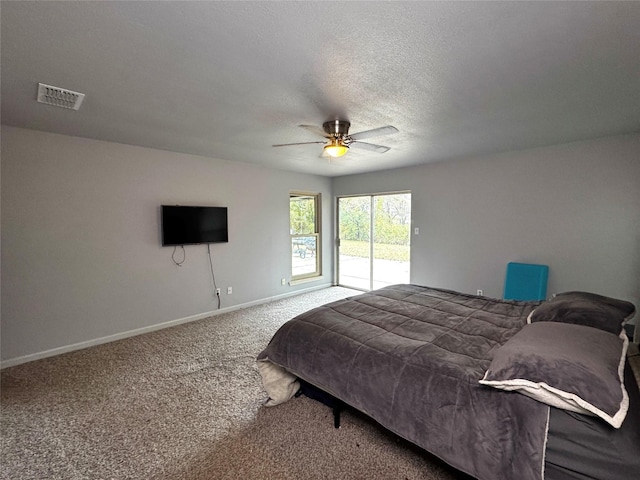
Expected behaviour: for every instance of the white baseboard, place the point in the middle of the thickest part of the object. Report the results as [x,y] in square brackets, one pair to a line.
[151,328]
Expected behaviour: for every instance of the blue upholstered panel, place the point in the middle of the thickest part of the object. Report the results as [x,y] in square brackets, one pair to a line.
[526,281]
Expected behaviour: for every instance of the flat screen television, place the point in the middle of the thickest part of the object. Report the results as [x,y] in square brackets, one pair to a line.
[185,225]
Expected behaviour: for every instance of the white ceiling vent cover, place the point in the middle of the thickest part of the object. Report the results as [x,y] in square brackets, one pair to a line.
[59,97]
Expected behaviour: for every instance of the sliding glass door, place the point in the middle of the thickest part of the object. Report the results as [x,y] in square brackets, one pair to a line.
[373,240]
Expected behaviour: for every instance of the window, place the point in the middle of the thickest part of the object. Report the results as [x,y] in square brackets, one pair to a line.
[374,237]
[304,229]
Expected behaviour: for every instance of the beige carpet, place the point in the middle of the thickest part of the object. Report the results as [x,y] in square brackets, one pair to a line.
[186,403]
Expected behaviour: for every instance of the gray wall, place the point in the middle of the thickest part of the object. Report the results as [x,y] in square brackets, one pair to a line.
[82,261]
[81,254]
[575,207]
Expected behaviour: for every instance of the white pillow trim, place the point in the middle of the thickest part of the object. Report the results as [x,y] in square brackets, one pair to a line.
[529,316]
[565,400]
[546,439]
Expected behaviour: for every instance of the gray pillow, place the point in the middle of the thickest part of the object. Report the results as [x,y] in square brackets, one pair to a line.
[583,308]
[566,366]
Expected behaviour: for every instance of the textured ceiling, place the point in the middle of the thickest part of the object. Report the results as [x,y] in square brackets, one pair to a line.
[229,79]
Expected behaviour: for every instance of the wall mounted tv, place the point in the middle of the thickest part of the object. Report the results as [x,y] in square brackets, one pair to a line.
[185,225]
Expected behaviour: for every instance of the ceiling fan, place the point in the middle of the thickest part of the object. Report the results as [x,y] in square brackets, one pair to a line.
[338,141]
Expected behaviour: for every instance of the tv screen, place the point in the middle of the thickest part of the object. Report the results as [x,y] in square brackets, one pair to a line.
[182,225]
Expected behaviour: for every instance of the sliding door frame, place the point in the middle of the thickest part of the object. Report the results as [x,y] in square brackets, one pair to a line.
[371,196]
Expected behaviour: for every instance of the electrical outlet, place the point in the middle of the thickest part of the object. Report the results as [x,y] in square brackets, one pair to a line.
[283,281]
[229,290]
[479,293]
[218,291]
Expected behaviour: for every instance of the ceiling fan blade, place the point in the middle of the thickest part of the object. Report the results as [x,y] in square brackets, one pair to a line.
[315,130]
[290,144]
[371,147]
[376,132]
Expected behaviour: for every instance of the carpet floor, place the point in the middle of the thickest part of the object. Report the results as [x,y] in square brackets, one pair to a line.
[186,403]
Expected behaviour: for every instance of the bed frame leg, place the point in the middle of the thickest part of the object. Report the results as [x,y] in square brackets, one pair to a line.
[336,415]
[321,396]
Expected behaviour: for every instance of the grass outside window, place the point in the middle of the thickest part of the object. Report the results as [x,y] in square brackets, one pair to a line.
[383,251]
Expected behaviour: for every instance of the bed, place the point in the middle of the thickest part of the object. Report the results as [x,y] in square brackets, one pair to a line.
[498,389]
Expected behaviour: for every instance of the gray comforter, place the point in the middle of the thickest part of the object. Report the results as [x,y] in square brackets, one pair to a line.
[410,357]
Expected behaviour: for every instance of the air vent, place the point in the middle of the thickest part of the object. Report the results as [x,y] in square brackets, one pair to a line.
[59,97]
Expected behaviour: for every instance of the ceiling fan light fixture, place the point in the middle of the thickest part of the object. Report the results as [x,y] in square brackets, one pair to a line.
[336,149]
